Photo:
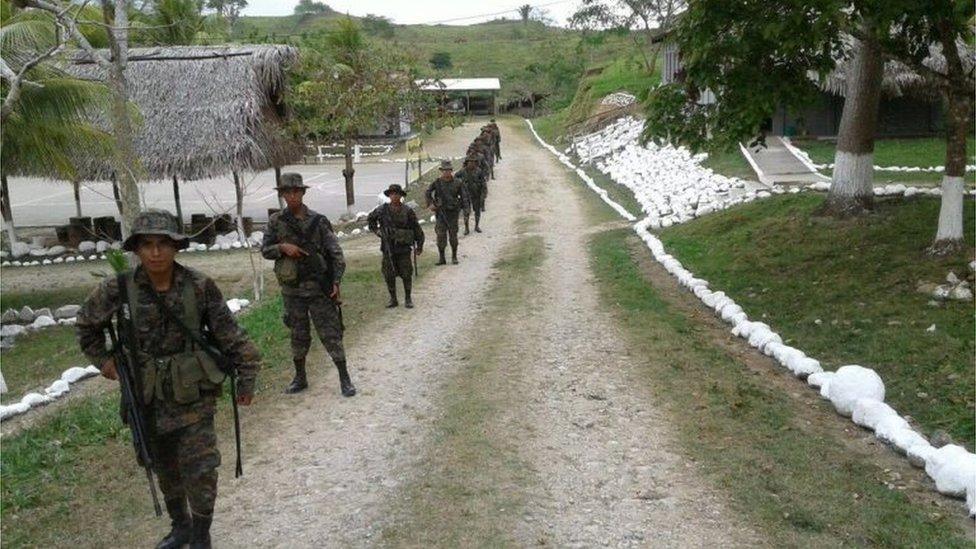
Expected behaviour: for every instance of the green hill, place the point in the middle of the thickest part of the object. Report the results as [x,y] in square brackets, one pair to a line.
[527,57]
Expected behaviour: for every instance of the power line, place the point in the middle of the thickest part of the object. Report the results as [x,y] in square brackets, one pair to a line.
[492,14]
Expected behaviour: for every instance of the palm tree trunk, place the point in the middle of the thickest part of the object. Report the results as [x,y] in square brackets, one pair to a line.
[347,173]
[851,192]
[77,192]
[8,216]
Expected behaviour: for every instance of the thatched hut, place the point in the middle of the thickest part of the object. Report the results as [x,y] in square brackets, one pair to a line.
[205,110]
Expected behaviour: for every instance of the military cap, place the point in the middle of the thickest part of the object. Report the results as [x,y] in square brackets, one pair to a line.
[291,180]
[395,188]
[446,165]
[492,120]
[156,222]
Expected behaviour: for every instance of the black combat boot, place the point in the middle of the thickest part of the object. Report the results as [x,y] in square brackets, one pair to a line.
[454,255]
[441,261]
[407,302]
[179,516]
[200,539]
[391,287]
[345,383]
[467,231]
[300,383]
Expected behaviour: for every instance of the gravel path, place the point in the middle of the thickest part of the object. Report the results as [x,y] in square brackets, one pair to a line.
[606,469]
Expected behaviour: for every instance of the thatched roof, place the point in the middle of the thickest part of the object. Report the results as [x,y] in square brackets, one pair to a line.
[899,79]
[205,110]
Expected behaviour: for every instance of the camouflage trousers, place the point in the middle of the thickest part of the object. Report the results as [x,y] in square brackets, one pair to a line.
[447,231]
[325,317]
[186,464]
[397,265]
[478,205]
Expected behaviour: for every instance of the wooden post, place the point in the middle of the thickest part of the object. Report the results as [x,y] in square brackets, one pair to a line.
[8,216]
[118,197]
[176,199]
[239,194]
[77,191]
[281,201]
[406,171]
[348,173]
[494,103]
[467,102]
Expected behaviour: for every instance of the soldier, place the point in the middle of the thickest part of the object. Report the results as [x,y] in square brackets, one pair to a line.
[309,266]
[484,147]
[498,138]
[445,197]
[477,190]
[180,417]
[399,230]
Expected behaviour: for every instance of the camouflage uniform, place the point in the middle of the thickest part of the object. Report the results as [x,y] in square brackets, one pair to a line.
[477,191]
[497,141]
[405,232]
[449,196]
[182,439]
[307,298]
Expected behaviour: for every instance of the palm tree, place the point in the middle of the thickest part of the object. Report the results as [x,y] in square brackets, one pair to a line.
[48,130]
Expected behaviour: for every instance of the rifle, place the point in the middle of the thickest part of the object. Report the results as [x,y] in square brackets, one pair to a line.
[317,263]
[132,406]
[416,269]
[386,240]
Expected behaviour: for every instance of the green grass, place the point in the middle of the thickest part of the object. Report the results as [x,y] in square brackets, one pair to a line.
[38,358]
[39,298]
[783,473]
[858,277]
[624,73]
[921,152]
[470,491]
[79,461]
[730,163]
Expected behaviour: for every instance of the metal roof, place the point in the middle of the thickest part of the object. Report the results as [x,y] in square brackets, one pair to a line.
[459,84]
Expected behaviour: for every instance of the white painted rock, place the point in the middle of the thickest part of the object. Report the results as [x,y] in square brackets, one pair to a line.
[12,410]
[27,314]
[919,455]
[356,232]
[953,469]
[11,330]
[869,412]
[35,399]
[102,246]
[39,252]
[57,388]
[56,250]
[43,311]
[852,383]
[86,246]
[9,316]
[76,373]
[67,311]
[43,321]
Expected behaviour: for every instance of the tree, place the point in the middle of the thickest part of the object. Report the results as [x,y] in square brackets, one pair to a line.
[228,10]
[524,11]
[310,7]
[642,20]
[177,22]
[440,60]
[377,25]
[43,125]
[346,86]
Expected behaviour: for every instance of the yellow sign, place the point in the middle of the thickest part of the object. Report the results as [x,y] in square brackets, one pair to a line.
[415,145]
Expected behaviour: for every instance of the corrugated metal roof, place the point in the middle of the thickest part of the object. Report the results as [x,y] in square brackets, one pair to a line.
[460,84]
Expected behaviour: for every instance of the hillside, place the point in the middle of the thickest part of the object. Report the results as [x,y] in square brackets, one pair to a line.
[549,61]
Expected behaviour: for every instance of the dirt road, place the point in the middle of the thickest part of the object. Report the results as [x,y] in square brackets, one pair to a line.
[502,410]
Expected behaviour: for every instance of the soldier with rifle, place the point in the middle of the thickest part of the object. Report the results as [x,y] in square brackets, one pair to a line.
[174,343]
[401,240]
[497,141]
[477,189]
[445,197]
[309,266]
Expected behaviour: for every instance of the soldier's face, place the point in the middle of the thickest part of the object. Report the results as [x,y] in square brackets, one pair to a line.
[395,199]
[293,197]
[156,253]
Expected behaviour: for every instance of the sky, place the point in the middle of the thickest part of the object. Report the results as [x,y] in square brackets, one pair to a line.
[425,11]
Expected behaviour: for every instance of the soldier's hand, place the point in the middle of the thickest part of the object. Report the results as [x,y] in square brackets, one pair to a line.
[335,293]
[291,250]
[432,208]
[245,399]
[108,369]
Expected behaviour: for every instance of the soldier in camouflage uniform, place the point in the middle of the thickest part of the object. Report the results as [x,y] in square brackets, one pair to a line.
[309,266]
[397,226]
[445,197]
[477,190]
[483,146]
[497,142]
[180,416]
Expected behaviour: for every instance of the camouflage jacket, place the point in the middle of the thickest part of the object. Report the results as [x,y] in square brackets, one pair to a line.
[448,194]
[474,181]
[157,336]
[405,229]
[281,229]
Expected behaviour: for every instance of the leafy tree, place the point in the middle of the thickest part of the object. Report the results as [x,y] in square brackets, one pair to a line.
[345,86]
[525,10]
[642,20]
[228,10]
[441,60]
[310,7]
[377,25]
[177,22]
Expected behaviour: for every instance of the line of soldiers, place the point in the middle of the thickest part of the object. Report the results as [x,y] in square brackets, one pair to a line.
[175,313]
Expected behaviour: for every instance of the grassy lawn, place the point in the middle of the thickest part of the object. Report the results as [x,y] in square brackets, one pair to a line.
[730,164]
[38,358]
[52,298]
[79,462]
[921,152]
[857,278]
[787,475]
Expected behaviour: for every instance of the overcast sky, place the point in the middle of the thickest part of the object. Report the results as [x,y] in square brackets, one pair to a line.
[425,11]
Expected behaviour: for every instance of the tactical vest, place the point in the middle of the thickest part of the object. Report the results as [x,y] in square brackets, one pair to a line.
[179,377]
[401,229]
[290,271]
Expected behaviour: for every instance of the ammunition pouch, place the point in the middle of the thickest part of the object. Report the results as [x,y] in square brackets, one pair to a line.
[403,237]
[286,271]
